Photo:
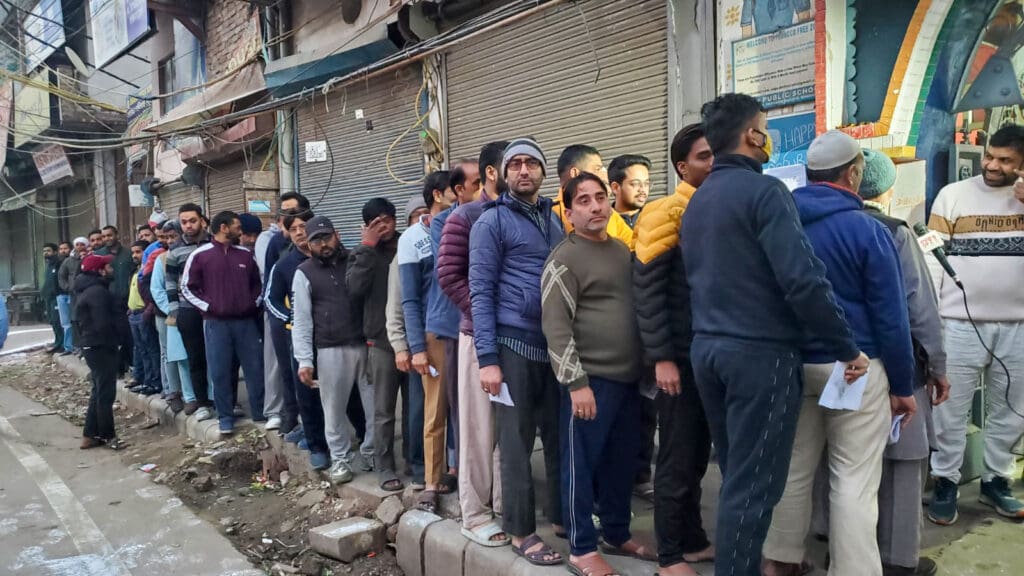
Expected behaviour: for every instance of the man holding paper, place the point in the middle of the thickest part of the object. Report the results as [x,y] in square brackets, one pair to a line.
[863,267]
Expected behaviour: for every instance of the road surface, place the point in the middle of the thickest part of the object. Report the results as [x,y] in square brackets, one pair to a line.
[25,338]
[69,512]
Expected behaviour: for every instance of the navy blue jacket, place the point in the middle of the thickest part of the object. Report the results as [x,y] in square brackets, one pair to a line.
[278,291]
[750,271]
[863,266]
[507,252]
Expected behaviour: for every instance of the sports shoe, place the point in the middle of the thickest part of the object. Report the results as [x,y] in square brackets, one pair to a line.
[943,510]
[366,462]
[273,423]
[203,413]
[227,429]
[191,407]
[996,493]
[341,473]
[295,436]
[319,460]
[302,444]
[237,412]
[147,391]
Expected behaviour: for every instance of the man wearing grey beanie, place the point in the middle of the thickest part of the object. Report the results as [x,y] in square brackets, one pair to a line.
[508,247]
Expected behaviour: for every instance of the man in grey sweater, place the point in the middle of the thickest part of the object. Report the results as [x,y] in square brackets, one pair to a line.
[589,322]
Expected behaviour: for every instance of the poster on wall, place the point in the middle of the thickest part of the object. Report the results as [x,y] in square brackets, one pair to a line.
[752,24]
[122,22]
[791,136]
[52,163]
[777,68]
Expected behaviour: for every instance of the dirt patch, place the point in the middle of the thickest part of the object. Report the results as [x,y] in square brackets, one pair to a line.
[233,484]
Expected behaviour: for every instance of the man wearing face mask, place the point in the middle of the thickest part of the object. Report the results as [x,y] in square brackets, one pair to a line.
[863,267]
[749,321]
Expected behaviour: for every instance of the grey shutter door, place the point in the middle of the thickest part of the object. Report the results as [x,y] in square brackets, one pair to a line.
[224,186]
[540,78]
[174,195]
[355,169]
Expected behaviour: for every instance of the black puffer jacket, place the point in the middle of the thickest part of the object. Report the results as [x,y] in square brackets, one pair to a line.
[94,311]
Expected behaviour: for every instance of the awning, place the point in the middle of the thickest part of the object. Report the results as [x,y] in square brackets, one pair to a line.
[215,101]
[18,202]
[289,76]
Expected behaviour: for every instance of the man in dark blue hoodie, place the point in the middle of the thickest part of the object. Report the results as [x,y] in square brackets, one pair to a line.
[863,266]
[756,290]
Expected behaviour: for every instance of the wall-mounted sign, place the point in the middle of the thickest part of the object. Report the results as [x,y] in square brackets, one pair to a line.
[791,136]
[44,32]
[316,151]
[140,115]
[116,25]
[776,68]
[52,163]
[31,110]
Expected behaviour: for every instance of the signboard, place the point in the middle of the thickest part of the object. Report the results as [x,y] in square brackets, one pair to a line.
[116,25]
[137,198]
[31,110]
[44,32]
[6,94]
[791,136]
[316,151]
[140,115]
[52,163]
[776,68]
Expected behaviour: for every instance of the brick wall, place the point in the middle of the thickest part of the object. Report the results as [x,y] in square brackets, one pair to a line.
[230,27]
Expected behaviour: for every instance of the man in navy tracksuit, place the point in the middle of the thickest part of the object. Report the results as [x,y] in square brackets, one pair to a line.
[756,289]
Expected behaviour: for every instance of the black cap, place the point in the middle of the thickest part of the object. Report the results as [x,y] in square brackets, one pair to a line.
[318,226]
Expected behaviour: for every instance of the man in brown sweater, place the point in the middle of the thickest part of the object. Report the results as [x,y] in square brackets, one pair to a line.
[590,326]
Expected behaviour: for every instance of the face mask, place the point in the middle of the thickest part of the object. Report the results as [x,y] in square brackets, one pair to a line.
[767,146]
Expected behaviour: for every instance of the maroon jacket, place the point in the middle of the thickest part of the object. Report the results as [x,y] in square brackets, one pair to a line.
[222,281]
[453,259]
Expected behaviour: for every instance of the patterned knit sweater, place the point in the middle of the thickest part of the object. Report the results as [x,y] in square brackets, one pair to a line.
[984,232]
[587,312]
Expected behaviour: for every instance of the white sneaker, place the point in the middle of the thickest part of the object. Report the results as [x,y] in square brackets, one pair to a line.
[273,423]
[203,413]
[340,473]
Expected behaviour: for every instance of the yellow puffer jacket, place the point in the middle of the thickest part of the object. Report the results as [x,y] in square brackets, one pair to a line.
[662,304]
[617,227]
[657,229]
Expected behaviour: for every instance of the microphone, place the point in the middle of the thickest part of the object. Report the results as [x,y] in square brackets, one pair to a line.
[930,241]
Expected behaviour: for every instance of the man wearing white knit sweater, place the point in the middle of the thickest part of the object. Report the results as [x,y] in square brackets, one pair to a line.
[982,222]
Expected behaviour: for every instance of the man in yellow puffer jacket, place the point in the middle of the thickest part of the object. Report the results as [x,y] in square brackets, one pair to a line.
[663,315]
[580,158]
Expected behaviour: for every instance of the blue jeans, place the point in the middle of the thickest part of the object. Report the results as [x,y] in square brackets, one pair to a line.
[415,425]
[596,464]
[64,310]
[227,339]
[751,391]
[145,351]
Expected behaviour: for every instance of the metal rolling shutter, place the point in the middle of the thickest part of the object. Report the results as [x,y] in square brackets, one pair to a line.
[537,78]
[174,195]
[224,186]
[355,170]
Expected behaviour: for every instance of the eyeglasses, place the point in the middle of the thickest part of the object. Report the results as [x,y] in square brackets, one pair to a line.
[322,239]
[644,184]
[516,164]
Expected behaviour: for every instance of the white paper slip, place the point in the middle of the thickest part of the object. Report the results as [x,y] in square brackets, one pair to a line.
[894,430]
[838,395]
[433,371]
[649,389]
[503,396]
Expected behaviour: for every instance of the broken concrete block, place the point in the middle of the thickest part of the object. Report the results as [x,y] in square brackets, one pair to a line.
[348,539]
[390,510]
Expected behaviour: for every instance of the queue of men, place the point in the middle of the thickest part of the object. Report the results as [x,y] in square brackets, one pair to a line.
[729,313]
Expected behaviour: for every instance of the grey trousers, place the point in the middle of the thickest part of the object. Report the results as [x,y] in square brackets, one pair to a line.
[387,382]
[338,368]
[273,386]
[899,512]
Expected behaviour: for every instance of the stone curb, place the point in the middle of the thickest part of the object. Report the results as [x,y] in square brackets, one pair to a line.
[157,409]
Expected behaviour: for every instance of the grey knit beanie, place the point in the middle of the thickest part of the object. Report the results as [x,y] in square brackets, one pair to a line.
[415,203]
[525,146]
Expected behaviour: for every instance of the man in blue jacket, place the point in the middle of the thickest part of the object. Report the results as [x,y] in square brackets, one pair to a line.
[863,267]
[756,290]
[508,246]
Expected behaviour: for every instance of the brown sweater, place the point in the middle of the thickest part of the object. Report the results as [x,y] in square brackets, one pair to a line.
[587,312]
